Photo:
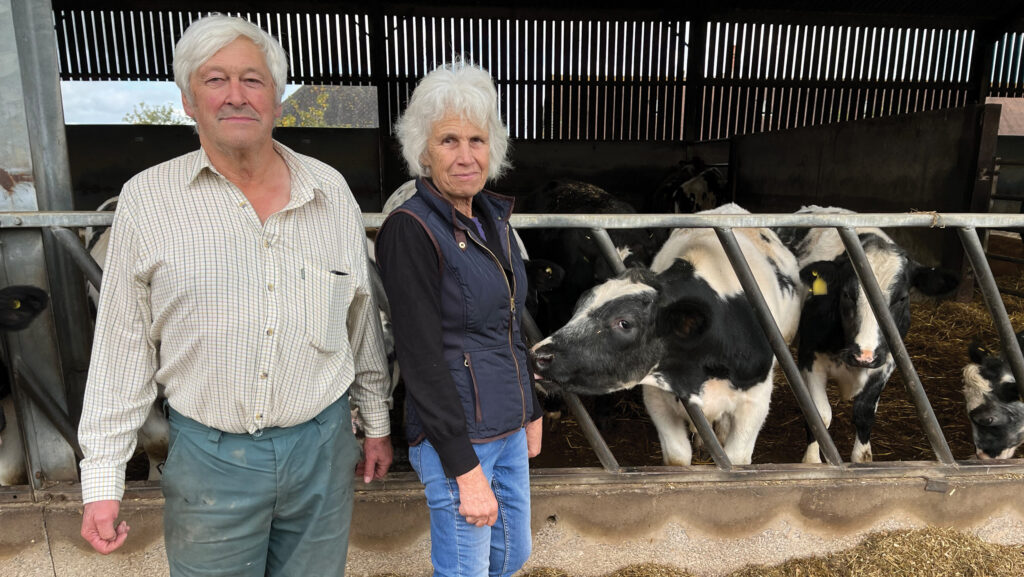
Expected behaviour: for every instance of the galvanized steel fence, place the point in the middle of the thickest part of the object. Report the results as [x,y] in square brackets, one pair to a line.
[967,226]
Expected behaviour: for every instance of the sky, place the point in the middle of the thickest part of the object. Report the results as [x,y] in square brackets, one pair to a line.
[108,102]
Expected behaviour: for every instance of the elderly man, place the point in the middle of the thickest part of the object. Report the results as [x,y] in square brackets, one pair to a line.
[236,279]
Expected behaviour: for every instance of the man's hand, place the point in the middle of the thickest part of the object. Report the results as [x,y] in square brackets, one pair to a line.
[534,433]
[477,502]
[98,526]
[377,458]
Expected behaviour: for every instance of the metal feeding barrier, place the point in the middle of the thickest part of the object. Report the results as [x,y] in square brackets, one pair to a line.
[965,224]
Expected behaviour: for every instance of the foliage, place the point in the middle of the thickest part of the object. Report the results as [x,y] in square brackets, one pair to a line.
[143,113]
[330,107]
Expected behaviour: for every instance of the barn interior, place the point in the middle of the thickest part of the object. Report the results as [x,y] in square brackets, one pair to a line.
[873,106]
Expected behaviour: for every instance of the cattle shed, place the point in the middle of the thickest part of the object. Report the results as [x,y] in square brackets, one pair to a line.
[875,106]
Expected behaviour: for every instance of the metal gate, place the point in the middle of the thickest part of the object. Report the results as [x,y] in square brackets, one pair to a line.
[968,226]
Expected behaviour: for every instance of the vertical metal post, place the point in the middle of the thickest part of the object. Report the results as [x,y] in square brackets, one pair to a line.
[990,292]
[37,55]
[899,351]
[33,150]
[779,345]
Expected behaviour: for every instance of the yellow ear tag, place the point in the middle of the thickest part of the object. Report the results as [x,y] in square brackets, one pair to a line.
[15,304]
[819,286]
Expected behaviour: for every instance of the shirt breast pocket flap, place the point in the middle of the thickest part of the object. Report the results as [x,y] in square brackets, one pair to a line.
[328,295]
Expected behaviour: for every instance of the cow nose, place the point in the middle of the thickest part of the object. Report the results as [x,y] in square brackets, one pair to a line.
[866,356]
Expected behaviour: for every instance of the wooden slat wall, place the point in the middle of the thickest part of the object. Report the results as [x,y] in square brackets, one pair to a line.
[139,45]
[762,77]
[594,79]
[1007,75]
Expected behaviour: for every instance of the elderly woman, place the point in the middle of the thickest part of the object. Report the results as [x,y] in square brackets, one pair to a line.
[456,284]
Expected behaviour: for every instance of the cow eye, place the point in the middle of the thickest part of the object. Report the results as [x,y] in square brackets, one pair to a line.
[623,324]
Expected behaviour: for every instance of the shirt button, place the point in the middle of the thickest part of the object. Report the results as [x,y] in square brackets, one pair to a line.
[270,332]
[263,375]
[270,287]
[266,244]
[242,204]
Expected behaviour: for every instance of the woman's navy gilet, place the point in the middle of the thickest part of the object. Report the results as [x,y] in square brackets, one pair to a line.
[480,308]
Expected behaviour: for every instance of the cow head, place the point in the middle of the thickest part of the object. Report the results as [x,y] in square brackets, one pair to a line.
[606,345]
[836,295]
[993,404]
[669,330]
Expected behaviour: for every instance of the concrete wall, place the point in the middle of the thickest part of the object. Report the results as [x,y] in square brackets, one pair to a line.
[584,528]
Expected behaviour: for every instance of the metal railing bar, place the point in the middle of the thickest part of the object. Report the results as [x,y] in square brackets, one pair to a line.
[69,241]
[74,219]
[1005,258]
[593,436]
[583,419]
[707,434]
[48,406]
[996,308]
[607,247]
[779,346]
[1011,292]
[899,351]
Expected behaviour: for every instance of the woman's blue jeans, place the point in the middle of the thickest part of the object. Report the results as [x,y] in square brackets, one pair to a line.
[458,549]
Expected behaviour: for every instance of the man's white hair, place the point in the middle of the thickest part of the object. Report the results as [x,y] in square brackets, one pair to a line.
[459,88]
[204,37]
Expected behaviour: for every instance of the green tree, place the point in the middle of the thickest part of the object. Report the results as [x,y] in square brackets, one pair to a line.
[143,113]
[311,116]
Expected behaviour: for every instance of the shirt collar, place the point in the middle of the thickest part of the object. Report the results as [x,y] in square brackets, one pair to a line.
[305,185]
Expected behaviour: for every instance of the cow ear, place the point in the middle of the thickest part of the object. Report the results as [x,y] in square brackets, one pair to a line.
[684,319]
[820,277]
[932,281]
[977,353]
[19,304]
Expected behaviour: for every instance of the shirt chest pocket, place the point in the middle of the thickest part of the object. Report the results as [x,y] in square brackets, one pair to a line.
[328,294]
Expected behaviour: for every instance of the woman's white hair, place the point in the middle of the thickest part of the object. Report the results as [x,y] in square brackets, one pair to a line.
[204,37]
[459,88]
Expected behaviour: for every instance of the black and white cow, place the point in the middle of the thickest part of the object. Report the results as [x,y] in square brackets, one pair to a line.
[840,338]
[154,435]
[574,249]
[686,331]
[19,305]
[690,186]
[993,404]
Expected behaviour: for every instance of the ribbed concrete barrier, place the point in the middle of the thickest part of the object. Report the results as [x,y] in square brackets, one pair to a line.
[588,522]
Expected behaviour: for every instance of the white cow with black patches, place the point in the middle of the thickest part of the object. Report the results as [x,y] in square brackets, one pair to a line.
[840,338]
[993,404]
[685,330]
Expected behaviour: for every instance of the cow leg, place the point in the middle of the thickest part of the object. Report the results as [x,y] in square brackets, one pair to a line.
[669,418]
[154,436]
[816,379]
[747,420]
[865,404]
